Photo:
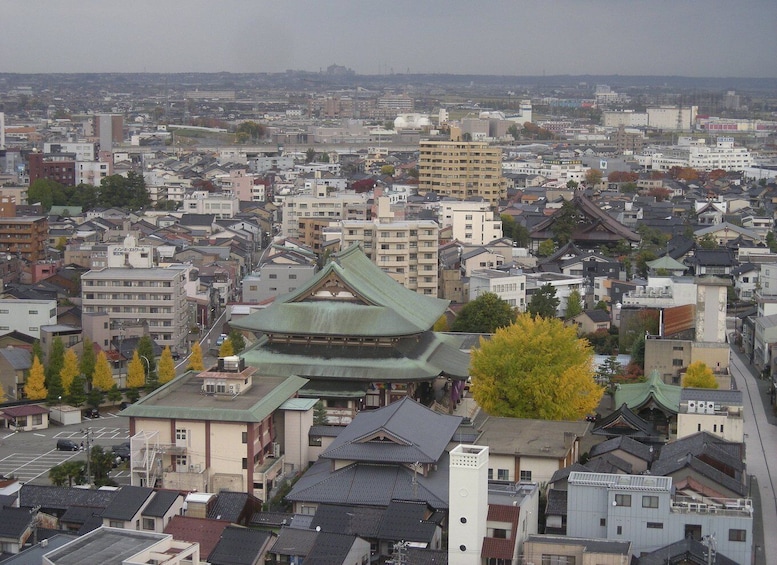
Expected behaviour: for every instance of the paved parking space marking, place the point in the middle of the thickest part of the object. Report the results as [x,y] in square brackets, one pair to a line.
[28,467]
[97,433]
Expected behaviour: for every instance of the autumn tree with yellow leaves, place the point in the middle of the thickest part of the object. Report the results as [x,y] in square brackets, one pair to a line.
[35,387]
[535,368]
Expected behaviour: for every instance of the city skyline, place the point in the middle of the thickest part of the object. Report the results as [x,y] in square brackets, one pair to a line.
[692,38]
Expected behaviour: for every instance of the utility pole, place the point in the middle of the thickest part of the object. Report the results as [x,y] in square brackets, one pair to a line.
[88,433]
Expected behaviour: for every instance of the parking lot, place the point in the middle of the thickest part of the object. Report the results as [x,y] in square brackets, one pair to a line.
[28,456]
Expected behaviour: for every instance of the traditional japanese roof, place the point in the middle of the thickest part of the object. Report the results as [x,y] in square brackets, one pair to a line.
[351,296]
[625,444]
[601,227]
[654,390]
[666,262]
[239,546]
[416,358]
[684,551]
[128,501]
[624,422]
[353,520]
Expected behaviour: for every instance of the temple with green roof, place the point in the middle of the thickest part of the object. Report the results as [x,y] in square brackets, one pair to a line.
[360,338]
[652,400]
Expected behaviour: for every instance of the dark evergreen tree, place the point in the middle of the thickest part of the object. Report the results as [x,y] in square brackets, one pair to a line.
[544,302]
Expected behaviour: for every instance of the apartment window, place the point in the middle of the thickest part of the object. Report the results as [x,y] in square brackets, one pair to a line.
[116,523]
[37,419]
[490,474]
[181,461]
[619,530]
[623,500]
[245,463]
[503,474]
[314,441]
[677,362]
[33,312]
[603,522]
[526,476]
[244,437]
[655,525]
[273,276]
[649,502]
[148,524]
[548,559]
[737,535]
[181,435]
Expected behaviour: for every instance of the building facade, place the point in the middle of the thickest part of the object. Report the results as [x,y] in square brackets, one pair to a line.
[24,237]
[461,170]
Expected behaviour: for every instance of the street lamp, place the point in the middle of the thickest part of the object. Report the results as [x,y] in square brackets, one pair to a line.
[60,407]
[148,366]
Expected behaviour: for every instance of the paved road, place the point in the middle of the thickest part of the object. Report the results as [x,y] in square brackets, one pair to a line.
[761,442]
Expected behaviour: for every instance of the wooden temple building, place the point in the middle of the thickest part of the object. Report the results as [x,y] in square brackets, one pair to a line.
[361,339]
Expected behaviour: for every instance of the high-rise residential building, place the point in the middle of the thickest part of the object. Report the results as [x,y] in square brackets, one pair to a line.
[154,296]
[406,251]
[109,129]
[333,208]
[462,170]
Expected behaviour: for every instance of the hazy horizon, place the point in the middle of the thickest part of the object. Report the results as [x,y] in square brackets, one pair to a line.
[690,38]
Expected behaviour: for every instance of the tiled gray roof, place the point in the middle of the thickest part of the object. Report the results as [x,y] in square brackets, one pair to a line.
[14,522]
[128,501]
[626,444]
[229,506]
[419,556]
[686,548]
[325,431]
[356,520]
[329,549]
[718,396]
[412,432]
[294,541]
[371,485]
[80,514]
[557,503]
[239,546]
[20,359]
[161,503]
[404,520]
[61,498]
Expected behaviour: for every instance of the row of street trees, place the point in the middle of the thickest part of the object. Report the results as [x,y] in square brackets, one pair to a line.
[114,191]
[88,379]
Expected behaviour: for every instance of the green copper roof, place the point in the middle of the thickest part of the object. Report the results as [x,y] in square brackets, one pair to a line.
[182,398]
[361,300]
[411,359]
[666,262]
[637,395]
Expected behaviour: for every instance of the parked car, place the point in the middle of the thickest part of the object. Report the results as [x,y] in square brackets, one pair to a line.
[176,356]
[67,445]
[91,413]
[122,451]
[221,339]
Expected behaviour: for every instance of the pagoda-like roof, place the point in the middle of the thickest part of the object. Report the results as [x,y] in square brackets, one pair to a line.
[416,358]
[351,296]
[654,392]
[598,227]
[666,262]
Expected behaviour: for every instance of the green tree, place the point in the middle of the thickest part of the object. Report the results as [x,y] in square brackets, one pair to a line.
[67,473]
[638,352]
[114,394]
[508,225]
[195,359]
[35,386]
[56,360]
[310,155]
[484,315]
[3,397]
[226,349]
[574,304]
[544,302]
[707,241]
[124,192]
[146,349]
[87,359]
[387,170]
[47,192]
[535,368]
[251,130]
[76,394]
[546,248]
[101,465]
[94,398]
[320,417]
[771,241]
[608,370]
[643,258]
[37,350]
[136,371]
[166,366]
[514,131]
[55,389]
[699,375]
[572,185]
[69,369]
[238,341]
[102,376]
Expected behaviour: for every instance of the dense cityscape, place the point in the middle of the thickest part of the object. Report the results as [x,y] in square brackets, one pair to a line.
[330,317]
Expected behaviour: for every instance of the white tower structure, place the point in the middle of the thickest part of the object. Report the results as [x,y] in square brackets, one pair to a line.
[2,130]
[468,503]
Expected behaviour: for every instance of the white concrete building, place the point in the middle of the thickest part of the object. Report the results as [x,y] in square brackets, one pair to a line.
[26,316]
[83,151]
[222,204]
[476,227]
[509,286]
[697,154]
[715,411]
[468,503]
[672,118]
[334,208]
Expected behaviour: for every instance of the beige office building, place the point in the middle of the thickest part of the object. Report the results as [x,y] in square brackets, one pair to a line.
[461,170]
[155,296]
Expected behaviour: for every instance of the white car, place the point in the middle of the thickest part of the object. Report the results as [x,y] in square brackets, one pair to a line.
[221,339]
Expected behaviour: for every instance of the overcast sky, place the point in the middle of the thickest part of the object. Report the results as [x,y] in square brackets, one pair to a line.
[715,38]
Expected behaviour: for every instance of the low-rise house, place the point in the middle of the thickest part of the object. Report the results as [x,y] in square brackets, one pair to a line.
[528,450]
[592,321]
[15,527]
[125,509]
[15,363]
[241,546]
[25,417]
[638,455]
[563,549]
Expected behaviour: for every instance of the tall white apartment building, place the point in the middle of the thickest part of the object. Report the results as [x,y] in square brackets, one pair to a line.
[334,208]
[476,227]
[156,296]
[26,316]
[406,251]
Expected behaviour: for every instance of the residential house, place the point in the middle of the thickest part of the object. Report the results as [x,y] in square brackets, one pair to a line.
[563,549]
[591,321]
[241,546]
[25,417]
[126,508]
[15,363]
[715,411]
[510,286]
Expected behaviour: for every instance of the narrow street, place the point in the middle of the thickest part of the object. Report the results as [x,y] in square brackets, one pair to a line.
[761,444]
